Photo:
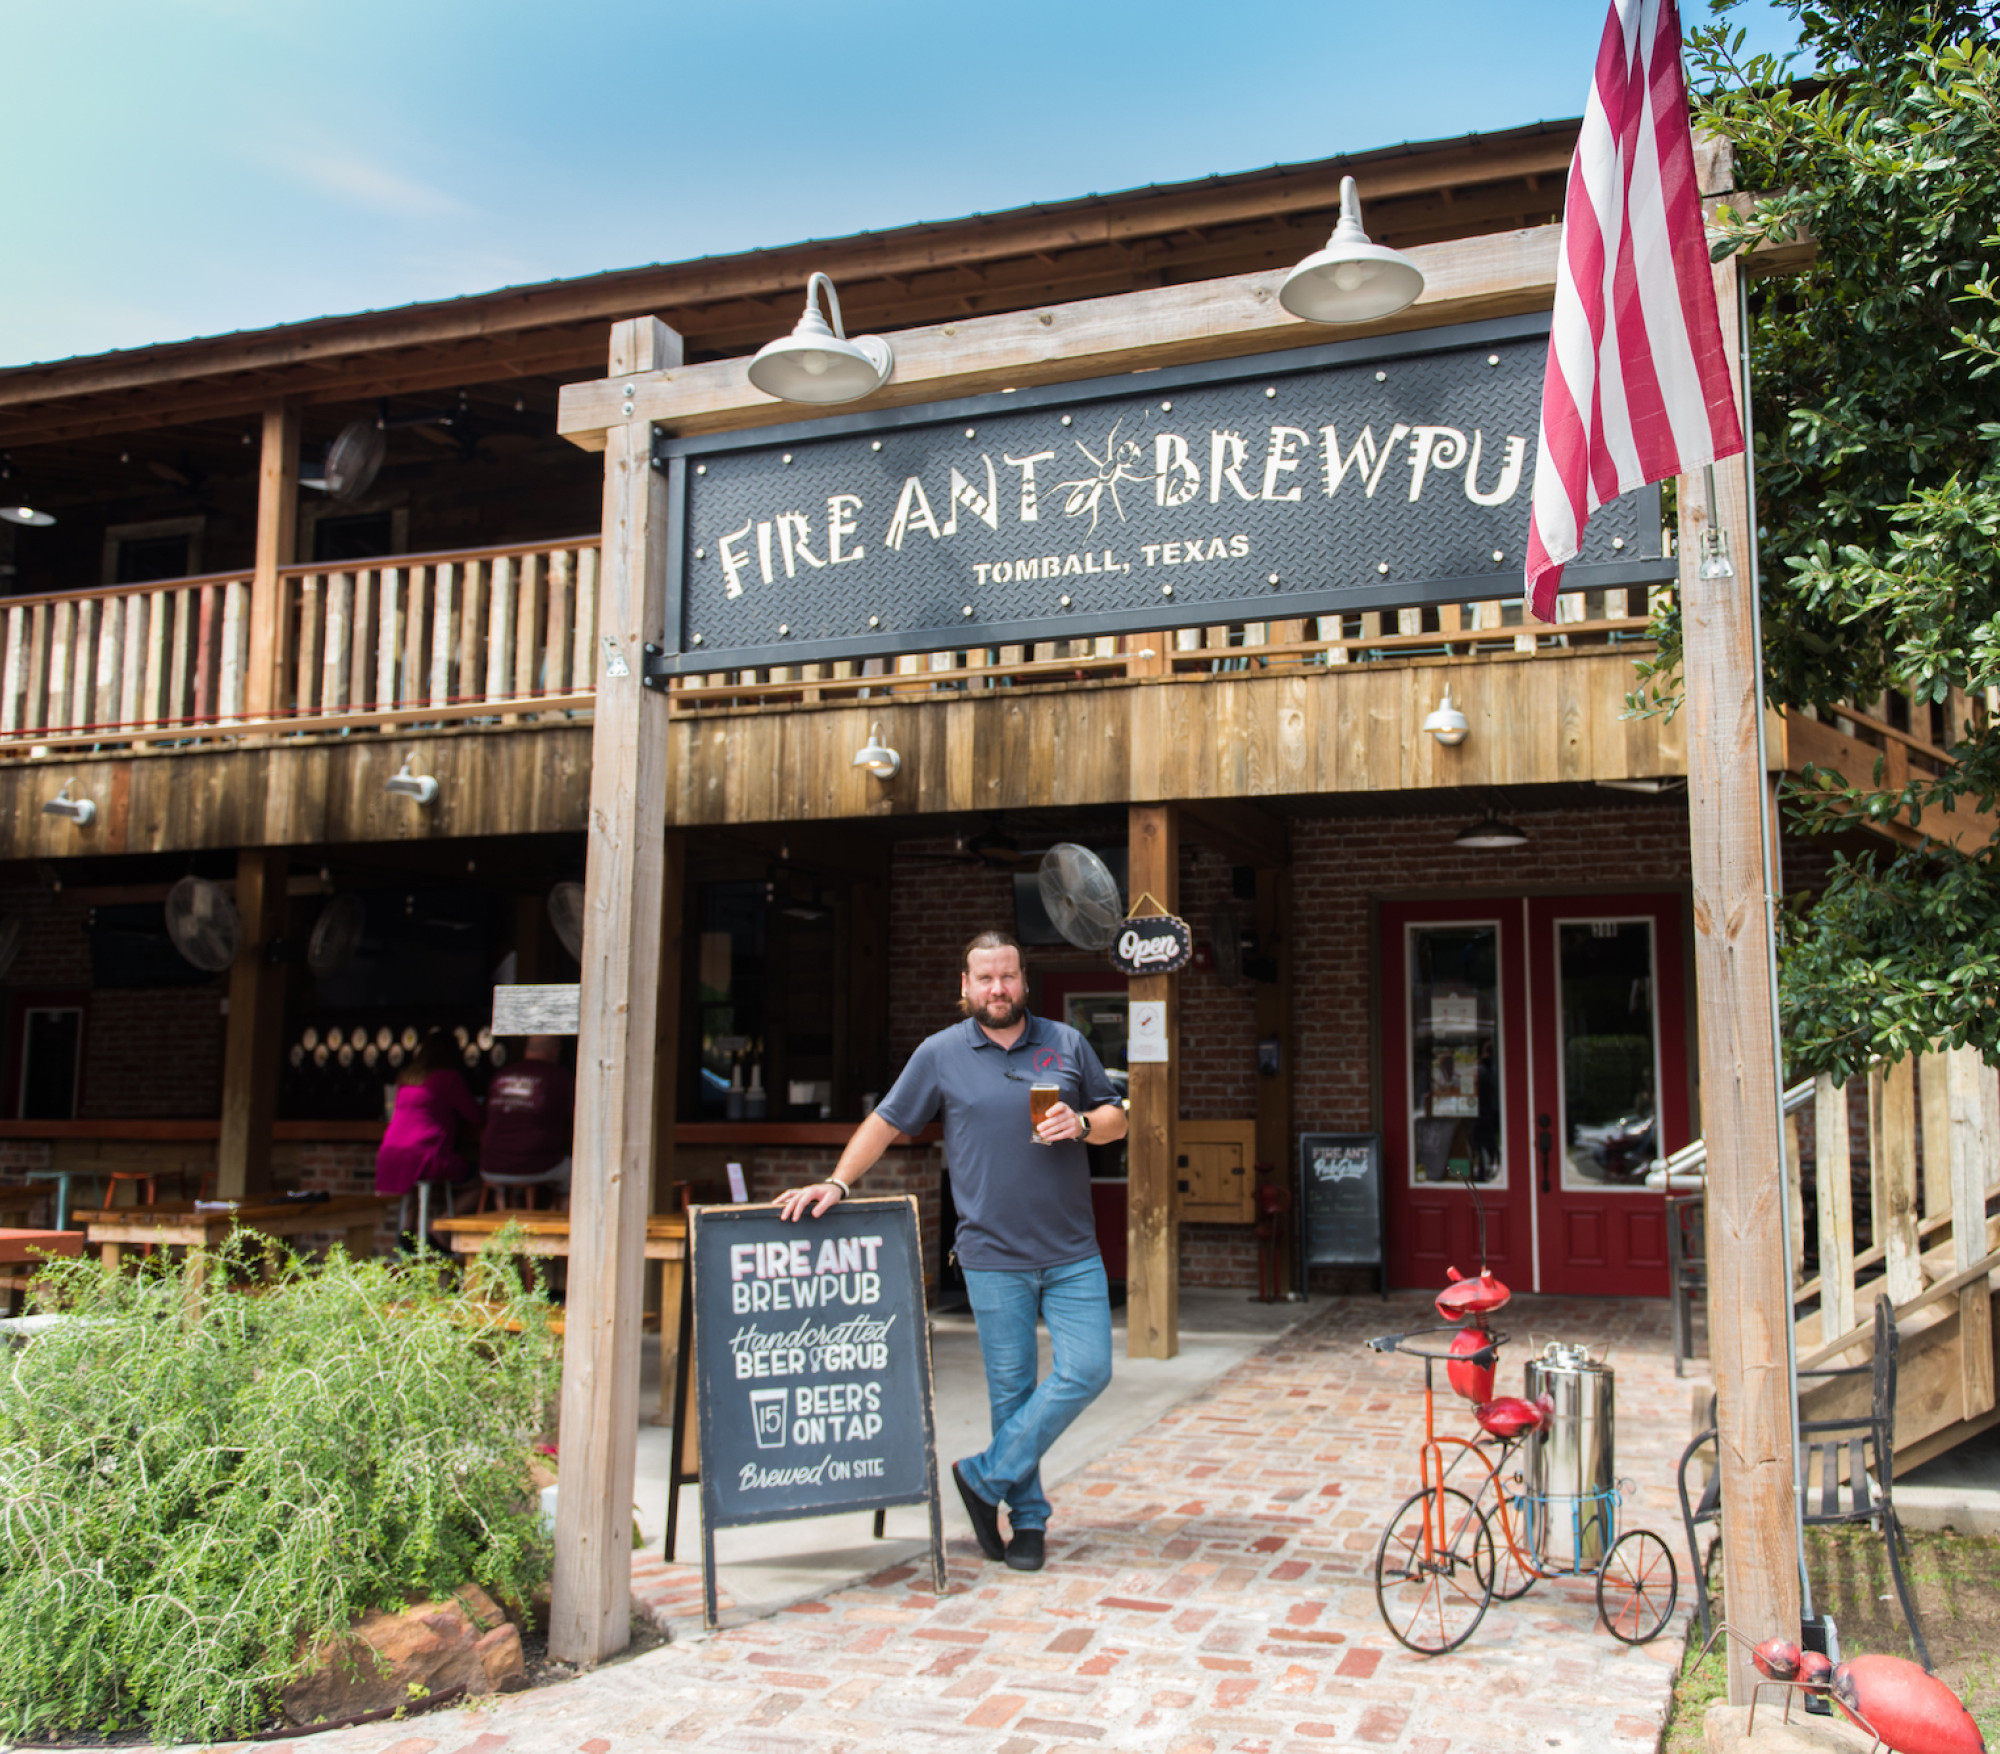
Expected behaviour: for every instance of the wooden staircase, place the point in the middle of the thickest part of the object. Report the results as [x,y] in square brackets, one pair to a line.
[1924,1192]
[1866,748]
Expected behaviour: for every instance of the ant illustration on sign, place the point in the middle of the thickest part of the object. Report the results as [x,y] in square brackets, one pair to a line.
[1086,493]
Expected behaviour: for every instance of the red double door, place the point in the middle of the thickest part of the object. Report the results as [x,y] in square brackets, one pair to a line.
[1535,1059]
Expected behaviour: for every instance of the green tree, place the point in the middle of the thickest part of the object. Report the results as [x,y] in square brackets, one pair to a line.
[1876,401]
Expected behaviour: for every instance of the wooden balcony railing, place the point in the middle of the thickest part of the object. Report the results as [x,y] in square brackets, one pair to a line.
[491,632]
[1583,618]
[498,633]
[410,639]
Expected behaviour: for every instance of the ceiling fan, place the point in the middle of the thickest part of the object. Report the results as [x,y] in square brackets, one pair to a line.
[992,847]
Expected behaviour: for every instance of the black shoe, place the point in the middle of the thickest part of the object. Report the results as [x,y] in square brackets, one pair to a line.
[985,1518]
[1024,1552]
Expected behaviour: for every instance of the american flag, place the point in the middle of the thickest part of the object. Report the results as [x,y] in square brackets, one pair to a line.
[1637,386]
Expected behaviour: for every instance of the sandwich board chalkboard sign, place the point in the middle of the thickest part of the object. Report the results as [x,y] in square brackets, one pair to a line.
[812,1369]
[1340,1203]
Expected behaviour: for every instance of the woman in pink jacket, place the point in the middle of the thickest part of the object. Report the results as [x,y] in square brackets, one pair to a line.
[423,1139]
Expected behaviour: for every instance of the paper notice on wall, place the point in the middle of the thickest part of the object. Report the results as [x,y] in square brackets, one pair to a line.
[1146,1041]
[737,1191]
[1454,1014]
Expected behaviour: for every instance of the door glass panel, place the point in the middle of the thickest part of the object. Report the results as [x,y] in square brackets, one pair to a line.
[1609,1052]
[1455,1126]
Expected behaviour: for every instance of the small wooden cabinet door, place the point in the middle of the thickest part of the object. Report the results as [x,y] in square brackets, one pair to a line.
[1213,1177]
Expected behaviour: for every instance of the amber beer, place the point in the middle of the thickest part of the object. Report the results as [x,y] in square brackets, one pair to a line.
[1041,1098]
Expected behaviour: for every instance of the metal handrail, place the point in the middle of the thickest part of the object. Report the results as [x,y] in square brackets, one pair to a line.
[1694,1154]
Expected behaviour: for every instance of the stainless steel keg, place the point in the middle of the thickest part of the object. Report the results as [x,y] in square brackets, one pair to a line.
[1571,1465]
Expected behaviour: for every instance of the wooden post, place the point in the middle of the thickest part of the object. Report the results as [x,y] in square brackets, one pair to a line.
[1749,1289]
[277,526]
[256,1029]
[1892,1144]
[1934,1105]
[1796,1186]
[1152,1245]
[1834,1174]
[625,887]
[1967,1159]
[1274,1020]
[666,1104]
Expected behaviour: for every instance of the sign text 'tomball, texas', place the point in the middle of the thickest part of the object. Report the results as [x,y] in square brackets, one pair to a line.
[1323,481]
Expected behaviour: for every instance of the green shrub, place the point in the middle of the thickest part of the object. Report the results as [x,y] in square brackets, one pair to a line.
[196,1490]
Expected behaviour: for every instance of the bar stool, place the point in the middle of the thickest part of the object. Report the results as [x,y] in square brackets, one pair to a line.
[555,1179]
[423,1193]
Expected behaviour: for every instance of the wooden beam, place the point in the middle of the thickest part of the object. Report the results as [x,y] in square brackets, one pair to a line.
[255,1030]
[1497,275]
[625,889]
[1749,1284]
[1152,1264]
[277,526]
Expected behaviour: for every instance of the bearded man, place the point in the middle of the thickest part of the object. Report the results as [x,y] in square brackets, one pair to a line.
[1027,1237]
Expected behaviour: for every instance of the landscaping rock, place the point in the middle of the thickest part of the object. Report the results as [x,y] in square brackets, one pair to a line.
[399,1659]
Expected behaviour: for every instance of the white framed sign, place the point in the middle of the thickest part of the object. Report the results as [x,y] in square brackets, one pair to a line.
[1146,1041]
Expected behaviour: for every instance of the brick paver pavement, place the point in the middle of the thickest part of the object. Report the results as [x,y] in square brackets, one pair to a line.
[1208,1592]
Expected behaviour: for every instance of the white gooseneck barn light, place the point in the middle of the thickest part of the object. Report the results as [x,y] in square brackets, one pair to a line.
[1448,725]
[816,362]
[1351,280]
[405,783]
[876,757]
[77,810]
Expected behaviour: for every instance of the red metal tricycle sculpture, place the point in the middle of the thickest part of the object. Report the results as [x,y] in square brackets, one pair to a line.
[1445,1555]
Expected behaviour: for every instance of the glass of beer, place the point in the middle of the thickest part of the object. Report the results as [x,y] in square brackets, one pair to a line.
[1041,1098]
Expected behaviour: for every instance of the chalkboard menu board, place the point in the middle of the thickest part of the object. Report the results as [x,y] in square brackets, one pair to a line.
[1340,1203]
[812,1367]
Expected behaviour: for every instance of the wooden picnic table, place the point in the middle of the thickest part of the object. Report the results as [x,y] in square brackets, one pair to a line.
[547,1233]
[114,1229]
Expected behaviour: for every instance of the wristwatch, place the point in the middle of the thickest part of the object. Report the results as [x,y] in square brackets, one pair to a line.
[1083,1121]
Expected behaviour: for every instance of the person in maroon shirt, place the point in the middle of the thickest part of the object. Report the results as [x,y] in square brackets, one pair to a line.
[530,1115]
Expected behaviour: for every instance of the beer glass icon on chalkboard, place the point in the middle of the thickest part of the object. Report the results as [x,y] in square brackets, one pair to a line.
[767,1417]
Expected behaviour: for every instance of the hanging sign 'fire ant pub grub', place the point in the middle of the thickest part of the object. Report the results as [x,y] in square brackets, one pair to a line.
[1320,481]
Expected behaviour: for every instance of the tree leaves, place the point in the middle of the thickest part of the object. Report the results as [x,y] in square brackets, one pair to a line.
[1876,411]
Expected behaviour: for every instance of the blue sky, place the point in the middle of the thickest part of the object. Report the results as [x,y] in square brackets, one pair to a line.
[188,167]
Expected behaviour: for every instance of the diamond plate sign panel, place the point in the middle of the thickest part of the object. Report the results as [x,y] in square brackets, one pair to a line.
[1321,481]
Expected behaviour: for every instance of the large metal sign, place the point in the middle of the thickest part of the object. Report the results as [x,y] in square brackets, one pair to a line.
[1321,481]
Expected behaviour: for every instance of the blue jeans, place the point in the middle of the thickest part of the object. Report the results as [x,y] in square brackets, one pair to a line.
[1075,1303]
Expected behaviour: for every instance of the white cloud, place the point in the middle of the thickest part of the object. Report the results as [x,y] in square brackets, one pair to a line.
[362,183]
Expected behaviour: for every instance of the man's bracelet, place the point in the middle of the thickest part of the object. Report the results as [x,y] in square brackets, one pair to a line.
[834,1181]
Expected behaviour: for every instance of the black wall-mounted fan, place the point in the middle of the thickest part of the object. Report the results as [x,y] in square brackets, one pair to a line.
[203,923]
[352,461]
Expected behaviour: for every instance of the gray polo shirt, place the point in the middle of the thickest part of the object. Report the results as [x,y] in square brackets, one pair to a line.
[1020,1205]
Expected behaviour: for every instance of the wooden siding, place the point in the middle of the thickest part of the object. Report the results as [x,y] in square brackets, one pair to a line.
[1552,717]
[491,782]
[1537,719]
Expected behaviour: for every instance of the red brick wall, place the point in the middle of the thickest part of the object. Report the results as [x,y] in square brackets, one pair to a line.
[1340,865]
[154,1053]
[903,1170]
[1218,1044]
[935,905]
